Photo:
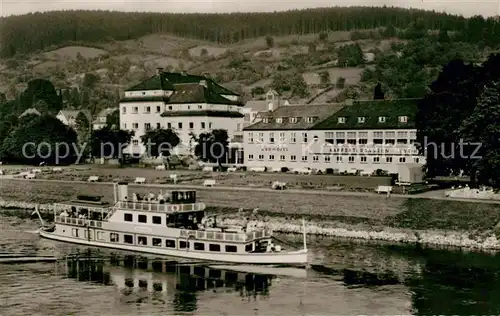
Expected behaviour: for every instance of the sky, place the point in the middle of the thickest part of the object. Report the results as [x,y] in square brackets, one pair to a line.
[466,7]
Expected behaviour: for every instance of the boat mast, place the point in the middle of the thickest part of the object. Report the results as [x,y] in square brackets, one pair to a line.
[39,216]
[304,232]
[115,193]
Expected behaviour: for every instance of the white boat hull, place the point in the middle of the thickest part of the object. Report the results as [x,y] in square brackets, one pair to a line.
[291,257]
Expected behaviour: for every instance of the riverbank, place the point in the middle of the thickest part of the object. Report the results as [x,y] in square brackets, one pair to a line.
[398,220]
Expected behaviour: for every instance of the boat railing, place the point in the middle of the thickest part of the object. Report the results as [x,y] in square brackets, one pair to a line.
[163,208]
[78,221]
[224,236]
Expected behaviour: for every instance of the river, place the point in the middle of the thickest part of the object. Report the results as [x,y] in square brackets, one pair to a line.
[346,278]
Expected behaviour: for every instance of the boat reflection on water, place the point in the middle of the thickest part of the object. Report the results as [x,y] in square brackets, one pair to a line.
[135,275]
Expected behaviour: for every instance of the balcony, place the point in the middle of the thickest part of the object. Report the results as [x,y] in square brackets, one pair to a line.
[222,236]
[78,221]
[160,208]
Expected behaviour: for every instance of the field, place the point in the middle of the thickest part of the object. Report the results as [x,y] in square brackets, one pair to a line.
[370,211]
[240,179]
[71,52]
[373,208]
[58,57]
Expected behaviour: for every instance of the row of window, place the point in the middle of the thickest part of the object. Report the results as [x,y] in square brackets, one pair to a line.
[159,242]
[339,158]
[147,109]
[147,126]
[309,119]
[141,218]
[387,137]
[340,120]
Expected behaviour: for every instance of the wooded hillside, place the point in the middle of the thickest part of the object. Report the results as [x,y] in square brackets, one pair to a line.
[33,32]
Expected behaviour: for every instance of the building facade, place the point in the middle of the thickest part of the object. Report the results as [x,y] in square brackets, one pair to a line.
[101,120]
[188,104]
[364,136]
[68,117]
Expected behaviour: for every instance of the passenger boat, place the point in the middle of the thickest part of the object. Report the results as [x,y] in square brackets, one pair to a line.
[173,225]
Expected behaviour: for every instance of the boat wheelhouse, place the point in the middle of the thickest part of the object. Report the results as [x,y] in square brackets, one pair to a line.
[174,224]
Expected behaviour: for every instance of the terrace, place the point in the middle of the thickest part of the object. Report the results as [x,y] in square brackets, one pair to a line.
[225,236]
[198,234]
[160,208]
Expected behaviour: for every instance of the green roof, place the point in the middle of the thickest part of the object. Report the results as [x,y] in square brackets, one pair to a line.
[186,89]
[187,93]
[167,80]
[210,113]
[303,116]
[196,93]
[371,111]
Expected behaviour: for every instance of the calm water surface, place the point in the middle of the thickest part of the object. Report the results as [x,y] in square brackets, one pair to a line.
[346,278]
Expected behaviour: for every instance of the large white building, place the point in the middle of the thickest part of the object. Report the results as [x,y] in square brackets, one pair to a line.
[255,109]
[188,104]
[359,135]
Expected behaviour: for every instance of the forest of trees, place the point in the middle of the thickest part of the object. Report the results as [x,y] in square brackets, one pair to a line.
[37,31]
[458,122]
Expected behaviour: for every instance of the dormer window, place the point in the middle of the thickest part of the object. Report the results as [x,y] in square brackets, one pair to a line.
[265,120]
[310,119]
[341,120]
[279,120]
[381,119]
[403,119]
[294,120]
[361,119]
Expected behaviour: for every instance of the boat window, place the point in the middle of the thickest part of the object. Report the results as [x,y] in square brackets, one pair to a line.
[185,269]
[157,242]
[114,237]
[129,282]
[216,274]
[170,243]
[214,247]
[127,217]
[100,235]
[199,246]
[141,240]
[156,219]
[199,271]
[128,239]
[158,287]
[231,249]
[74,232]
[249,247]
[142,219]
[183,244]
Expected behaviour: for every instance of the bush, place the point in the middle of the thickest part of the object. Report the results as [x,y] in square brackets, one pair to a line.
[323,36]
[284,169]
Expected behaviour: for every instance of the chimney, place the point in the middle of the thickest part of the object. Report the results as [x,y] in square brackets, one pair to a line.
[159,70]
[348,101]
[183,73]
[122,191]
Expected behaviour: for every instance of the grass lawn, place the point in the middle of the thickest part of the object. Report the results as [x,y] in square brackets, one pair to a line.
[245,179]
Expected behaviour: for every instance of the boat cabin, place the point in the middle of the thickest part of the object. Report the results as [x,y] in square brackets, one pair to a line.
[88,207]
[143,220]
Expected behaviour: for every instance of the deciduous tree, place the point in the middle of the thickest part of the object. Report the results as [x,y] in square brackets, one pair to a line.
[160,141]
[44,138]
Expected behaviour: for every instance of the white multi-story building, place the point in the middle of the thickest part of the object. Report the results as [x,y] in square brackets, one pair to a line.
[255,109]
[188,104]
[360,135]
